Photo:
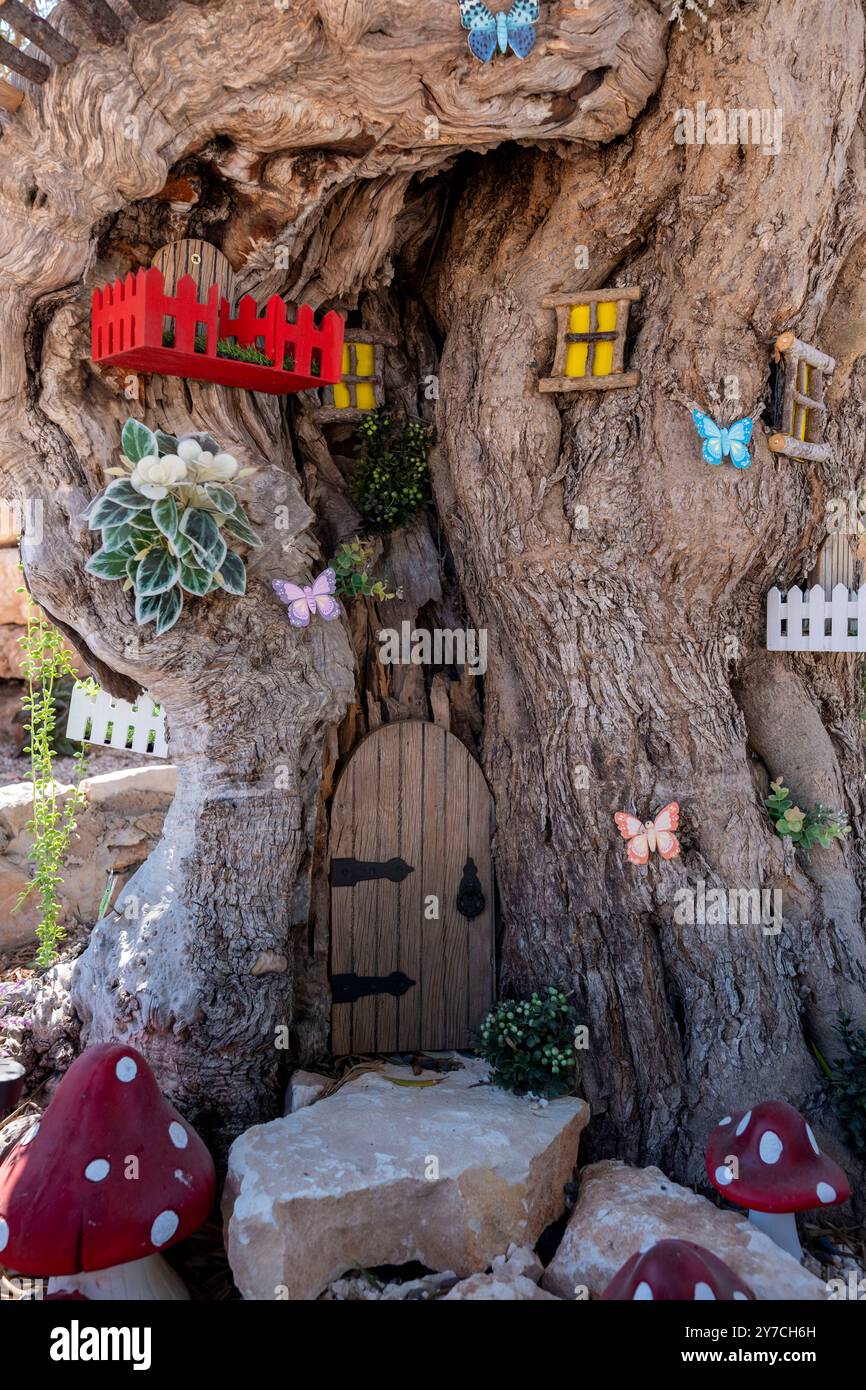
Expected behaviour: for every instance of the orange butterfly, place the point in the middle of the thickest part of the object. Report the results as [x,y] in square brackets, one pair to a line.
[656,834]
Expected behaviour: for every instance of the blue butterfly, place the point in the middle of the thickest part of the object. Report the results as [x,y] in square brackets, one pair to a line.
[717,441]
[487,29]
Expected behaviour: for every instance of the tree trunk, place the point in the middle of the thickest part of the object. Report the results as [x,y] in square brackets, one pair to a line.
[627,662]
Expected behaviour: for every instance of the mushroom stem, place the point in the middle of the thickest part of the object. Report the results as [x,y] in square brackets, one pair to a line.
[140,1280]
[781,1227]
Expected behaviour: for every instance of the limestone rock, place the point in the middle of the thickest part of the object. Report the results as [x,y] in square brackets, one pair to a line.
[12,605]
[11,654]
[501,1286]
[621,1210]
[117,829]
[448,1174]
[303,1088]
[512,1277]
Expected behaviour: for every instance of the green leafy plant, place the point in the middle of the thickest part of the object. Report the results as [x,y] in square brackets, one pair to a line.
[392,482]
[167,520]
[848,1076]
[820,826]
[351,565]
[529,1044]
[46,664]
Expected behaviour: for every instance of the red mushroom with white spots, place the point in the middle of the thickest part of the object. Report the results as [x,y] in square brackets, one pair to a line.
[108,1177]
[677,1271]
[767,1160]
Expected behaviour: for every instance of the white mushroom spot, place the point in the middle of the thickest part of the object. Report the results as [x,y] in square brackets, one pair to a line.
[642,1292]
[812,1140]
[4,1234]
[724,1175]
[164,1227]
[826,1193]
[770,1147]
[126,1069]
[97,1170]
[31,1134]
[178,1135]
[183,1177]
[703,1293]
[744,1124]
[740,1297]
[725,1121]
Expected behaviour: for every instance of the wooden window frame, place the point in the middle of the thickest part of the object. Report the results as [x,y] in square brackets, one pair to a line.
[804,366]
[329,413]
[621,295]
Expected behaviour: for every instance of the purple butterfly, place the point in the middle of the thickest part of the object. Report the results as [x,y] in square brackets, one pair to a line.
[304,602]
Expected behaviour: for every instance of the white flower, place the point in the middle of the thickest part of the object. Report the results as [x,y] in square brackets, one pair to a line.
[153,476]
[206,467]
[224,466]
[189,450]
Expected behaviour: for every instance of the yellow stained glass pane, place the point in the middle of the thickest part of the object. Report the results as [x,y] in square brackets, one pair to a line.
[603,360]
[576,354]
[804,414]
[342,398]
[365,396]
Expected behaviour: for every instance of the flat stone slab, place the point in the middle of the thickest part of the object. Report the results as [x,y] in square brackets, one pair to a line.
[449,1174]
[622,1209]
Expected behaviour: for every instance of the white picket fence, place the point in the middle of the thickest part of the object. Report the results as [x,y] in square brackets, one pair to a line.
[809,621]
[110,723]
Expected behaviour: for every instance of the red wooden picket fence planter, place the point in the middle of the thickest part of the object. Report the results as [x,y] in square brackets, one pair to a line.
[130,317]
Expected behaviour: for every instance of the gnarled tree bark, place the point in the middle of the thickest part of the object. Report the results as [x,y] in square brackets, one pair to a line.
[319,145]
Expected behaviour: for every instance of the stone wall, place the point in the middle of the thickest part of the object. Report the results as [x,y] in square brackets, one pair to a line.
[12,612]
[117,829]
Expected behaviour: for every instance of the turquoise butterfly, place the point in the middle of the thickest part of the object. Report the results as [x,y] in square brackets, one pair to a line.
[488,30]
[734,440]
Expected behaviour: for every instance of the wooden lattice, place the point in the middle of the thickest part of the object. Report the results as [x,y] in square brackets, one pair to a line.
[591,356]
[800,408]
[110,723]
[809,621]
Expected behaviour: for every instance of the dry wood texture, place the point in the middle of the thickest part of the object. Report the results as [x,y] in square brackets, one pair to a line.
[412,791]
[621,580]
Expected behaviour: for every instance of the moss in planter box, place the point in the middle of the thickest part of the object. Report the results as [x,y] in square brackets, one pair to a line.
[225,348]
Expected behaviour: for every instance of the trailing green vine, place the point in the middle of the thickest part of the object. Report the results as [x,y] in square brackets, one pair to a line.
[46,664]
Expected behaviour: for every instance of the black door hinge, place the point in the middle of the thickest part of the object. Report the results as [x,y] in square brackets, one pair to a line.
[347,873]
[345,989]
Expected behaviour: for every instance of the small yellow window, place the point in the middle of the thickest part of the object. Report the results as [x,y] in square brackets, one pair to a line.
[362,388]
[591,340]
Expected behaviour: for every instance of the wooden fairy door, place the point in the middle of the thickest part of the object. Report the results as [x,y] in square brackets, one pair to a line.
[411,894]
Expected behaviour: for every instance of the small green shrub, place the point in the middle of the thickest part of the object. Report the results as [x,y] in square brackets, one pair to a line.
[351,565]
[46,663]
[529,1044]
[849,1086]
[820,826]
[392,482]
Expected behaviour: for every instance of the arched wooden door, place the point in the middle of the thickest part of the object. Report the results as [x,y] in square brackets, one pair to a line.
[411,894]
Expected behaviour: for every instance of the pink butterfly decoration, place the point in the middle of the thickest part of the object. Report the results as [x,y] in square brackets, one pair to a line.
[304,603]
[655,835]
